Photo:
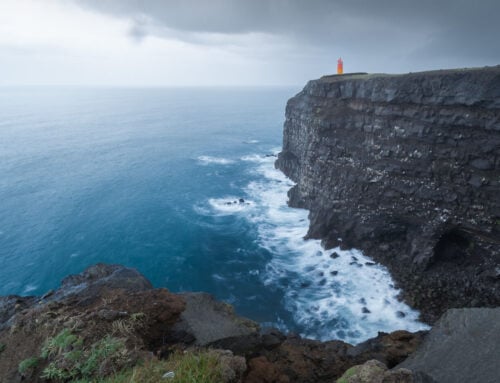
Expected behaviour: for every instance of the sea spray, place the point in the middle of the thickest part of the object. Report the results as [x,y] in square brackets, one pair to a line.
[332,294]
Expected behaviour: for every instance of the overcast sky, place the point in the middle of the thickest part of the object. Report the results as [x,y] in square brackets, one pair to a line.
[237,42]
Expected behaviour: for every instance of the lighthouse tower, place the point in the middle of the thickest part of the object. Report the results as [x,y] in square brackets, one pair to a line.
[340,66]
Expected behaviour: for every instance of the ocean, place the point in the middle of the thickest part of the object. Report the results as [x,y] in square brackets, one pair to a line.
[180,184]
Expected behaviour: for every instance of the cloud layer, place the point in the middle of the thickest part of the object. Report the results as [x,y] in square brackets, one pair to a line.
[443,28]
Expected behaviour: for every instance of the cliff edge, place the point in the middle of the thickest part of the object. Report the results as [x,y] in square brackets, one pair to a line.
[407,168]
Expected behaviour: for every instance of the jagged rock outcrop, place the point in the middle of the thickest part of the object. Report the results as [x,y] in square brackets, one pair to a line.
[407,168]
[112,300]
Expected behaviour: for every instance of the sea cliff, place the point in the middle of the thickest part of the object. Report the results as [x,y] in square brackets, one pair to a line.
[407,168]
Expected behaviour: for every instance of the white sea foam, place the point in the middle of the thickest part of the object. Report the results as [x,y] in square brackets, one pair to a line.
[332,294]
[230,205]
[29,288]
[251,142]
[207,160]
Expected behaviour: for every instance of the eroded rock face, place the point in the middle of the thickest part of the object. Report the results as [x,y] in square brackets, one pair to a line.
[407,168]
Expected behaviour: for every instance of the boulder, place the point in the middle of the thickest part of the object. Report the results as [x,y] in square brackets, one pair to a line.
[463,346]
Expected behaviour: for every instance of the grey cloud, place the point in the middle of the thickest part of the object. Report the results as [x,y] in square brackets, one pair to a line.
[455,28]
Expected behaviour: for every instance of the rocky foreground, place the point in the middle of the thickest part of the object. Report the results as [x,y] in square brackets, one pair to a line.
[407,168]
[114,305]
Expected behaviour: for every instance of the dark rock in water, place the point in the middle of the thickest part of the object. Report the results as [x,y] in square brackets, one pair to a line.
[334,255]
[322,282]
[355,259]
[400,314]
[463,346]
[334,272]
[354,263]
[370,263]
[319,253]
[406,168]
[241,200]
[362,301]
[365,310]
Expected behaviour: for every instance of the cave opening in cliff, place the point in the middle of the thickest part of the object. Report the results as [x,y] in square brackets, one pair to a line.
[452,246]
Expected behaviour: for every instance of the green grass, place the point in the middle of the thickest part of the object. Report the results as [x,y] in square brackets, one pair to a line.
[192,367]
[28,364]
[60,343]
[67,359]
[350,372]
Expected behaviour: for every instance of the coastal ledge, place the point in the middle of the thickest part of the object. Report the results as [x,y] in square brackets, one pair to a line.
[407,169]
[116,302]
[117,306]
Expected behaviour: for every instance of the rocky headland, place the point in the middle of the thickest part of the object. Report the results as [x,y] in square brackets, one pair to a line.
[406,168]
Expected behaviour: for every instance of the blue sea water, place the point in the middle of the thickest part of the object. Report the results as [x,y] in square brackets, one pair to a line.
[152,179]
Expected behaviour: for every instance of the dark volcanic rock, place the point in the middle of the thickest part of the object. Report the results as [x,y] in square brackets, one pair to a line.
[407,168]
[206,320]
[463,346]
[274,357]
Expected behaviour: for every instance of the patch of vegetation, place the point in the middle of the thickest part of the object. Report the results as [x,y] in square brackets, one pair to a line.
[126,327]
[2,347]
[28,364]
[350,372]
[191,367]
[70,360]
[63,341]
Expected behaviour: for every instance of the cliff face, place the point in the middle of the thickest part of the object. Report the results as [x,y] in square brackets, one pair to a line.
[407,168]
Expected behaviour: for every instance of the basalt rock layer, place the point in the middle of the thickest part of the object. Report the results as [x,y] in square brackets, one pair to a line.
[407,168]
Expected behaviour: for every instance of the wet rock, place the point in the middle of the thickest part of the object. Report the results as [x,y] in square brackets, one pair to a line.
[370,263]
[334,255]
[365,310]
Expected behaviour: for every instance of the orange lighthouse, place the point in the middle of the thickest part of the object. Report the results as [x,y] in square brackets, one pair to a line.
[340,66]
